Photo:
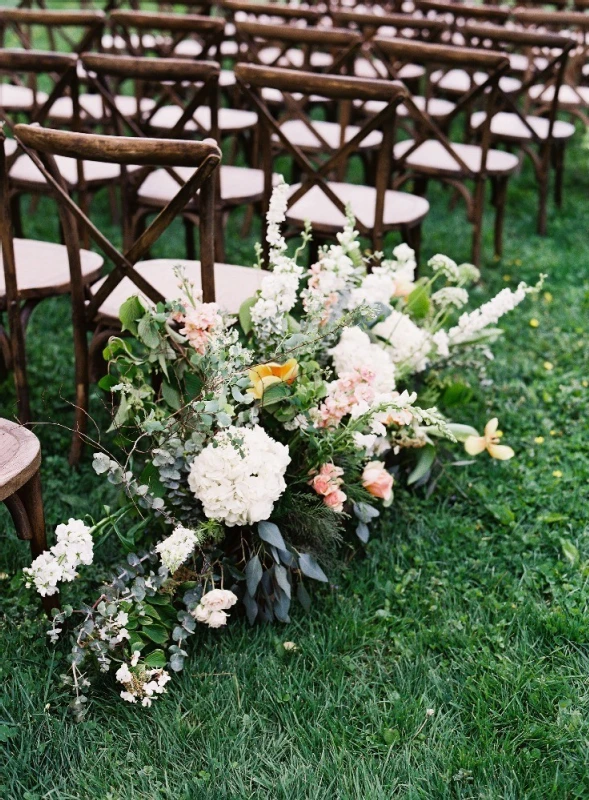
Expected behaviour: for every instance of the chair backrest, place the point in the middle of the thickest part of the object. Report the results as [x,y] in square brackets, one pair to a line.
[457,14]
[44,144]
[395,25]
[315,169]
[38,29]
[271,13]
[167,35]
[396,52]
[21,71]
[170,87]
[545,57]
[292,47]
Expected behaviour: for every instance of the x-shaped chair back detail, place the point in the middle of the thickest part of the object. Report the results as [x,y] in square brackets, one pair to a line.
[341,44]
[25,68]
[64,31]
[43,144]
[344,90]
[168,32]
[394,52]
[554,49]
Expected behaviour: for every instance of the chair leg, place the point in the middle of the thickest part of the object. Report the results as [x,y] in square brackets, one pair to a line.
[500,199]
[82,392]
[26,510]
[558,173]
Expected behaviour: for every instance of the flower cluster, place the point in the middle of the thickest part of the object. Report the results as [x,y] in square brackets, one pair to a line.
[177,548]
[141,683]
[74,547]
[355,351]
[327,483]
[199,324]
[240,475]
[212,607]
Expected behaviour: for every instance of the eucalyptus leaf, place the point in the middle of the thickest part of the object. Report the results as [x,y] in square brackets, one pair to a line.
[253,574]
[309,567]
[270,533]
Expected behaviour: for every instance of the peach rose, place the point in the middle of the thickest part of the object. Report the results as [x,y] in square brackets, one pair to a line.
[377,481]
[322,484]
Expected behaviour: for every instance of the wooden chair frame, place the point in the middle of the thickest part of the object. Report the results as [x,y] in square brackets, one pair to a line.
[42,145]
[208,30]
[549,150]
[21,22]
[252,78]
[392,51]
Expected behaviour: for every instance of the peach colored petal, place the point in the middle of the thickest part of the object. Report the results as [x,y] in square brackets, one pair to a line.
[475,445]
[491,428]
[500,451]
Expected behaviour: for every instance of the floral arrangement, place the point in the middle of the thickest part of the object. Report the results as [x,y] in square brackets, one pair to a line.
[251,449]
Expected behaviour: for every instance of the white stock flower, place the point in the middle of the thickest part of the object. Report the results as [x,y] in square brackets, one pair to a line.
[74,546]
[441,341]
[355,351]
[450,296]
[404,254]
[407,345]
[472,323]
[444,265]
[129,697]
[177,547]
[240,475]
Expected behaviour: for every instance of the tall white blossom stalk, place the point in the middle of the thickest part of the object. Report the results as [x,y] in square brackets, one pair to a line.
[472,323]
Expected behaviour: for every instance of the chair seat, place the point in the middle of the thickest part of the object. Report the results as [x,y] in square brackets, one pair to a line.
[365,68]
[42,268]
[458,81]
[437,108]
[231,120]
[95,172]
[300,135]
[188,48]
[233,284]
[19,98]
[20,457]
[293,58]
[575,97]
[92,106]
[400,208]
[238,185]
[506,125]
[433,158]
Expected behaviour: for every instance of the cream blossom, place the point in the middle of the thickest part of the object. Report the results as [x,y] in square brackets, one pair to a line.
[490,442]
[407,344]
[212,607]
[355,350]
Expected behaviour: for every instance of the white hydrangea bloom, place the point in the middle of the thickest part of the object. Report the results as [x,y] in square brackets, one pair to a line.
[177,547]
[74,547]
[355,351]
[240,475]
[377,287]
[407,345]
[470,324]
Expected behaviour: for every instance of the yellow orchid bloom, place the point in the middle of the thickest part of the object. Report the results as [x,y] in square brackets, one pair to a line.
[265,375]
[489,442]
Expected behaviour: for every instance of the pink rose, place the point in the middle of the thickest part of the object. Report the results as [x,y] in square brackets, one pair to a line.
[335,500]
[322,484]
[377,481]
[331,471]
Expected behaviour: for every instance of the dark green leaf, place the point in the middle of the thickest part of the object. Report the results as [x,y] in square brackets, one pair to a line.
[309,567]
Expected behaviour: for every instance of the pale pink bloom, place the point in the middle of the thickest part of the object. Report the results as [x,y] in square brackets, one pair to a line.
[217,619]
[322,484]
[199,323]
[335,500]
[377,481]
[218,599]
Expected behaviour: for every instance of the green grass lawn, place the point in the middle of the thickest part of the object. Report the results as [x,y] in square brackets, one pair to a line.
[451,660]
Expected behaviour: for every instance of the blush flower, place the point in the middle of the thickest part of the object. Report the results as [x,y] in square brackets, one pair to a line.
[199,324]
[327,484]
[377,481]
[490,442]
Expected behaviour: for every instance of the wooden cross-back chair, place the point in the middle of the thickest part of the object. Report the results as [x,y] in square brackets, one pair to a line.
[188,36]
[573,96]
[153,280]
[58,72]
[316,197]
[184,97]
[430,154]
[40,28]
[541,138]
[271,13]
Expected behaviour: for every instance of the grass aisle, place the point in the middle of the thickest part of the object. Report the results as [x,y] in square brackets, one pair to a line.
[451,661]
